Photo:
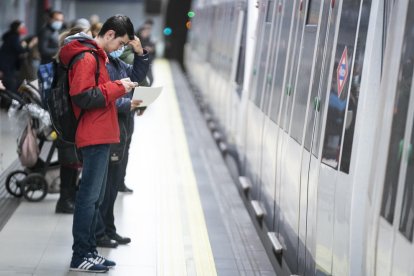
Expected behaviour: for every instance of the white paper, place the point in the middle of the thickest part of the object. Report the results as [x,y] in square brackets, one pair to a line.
[146,94]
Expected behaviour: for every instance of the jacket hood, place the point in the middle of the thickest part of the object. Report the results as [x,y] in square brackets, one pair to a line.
[76,44]
[79,36]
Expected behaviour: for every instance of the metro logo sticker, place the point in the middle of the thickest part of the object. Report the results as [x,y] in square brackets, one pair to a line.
[342,71]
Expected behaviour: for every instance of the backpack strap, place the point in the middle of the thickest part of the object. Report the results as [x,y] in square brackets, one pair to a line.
[97,72]
[81,55]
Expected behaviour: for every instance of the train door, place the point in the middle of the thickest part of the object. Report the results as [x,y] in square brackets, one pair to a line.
[219,76]
[251,107]
[213,51]
[395,249]
[305,123]
[236,69]
[227,62]
[284,52]
[288,167]
[275,72]
[298,93]
[255,114]
[333,139]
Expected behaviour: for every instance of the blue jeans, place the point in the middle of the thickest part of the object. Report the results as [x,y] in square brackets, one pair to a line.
[88,198]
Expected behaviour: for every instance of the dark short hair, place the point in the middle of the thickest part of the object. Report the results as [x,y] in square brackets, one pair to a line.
[149,21]
[14,26]
[52,13]
[121,24]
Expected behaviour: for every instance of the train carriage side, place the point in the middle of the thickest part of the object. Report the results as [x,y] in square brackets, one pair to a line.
[390,247]
[305,140]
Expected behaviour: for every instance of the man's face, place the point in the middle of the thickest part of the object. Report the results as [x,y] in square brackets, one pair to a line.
[58,17]
[145,33]
[113,43]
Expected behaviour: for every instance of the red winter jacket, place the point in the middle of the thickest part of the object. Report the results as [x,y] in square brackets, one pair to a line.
[99,122]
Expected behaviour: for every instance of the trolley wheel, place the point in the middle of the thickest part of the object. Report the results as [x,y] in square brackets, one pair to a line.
[34,187]
[14,183]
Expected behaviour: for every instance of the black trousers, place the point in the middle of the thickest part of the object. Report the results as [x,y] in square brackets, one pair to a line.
[68,183]
[106,220]
[124,163]
[115,178]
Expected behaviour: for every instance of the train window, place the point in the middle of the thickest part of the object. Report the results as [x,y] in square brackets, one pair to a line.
[241,59]
[399,119]
[338,96]
[407,211]
[388,6]
[266,47]
[320,81]
[269,12]
[312,17]
[282,51]
[355,86]
[255,72]
[302,89]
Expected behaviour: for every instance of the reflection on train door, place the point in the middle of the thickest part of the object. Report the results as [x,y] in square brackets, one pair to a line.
[396,224]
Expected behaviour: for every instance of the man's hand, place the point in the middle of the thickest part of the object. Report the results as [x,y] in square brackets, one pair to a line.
[135,104]
[2,86]
[150,49]
[128,85]
[136,46]
[141,110]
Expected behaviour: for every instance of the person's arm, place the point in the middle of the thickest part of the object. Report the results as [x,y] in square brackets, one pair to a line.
[83,90]
[138,71]
[123,104]
[117,70]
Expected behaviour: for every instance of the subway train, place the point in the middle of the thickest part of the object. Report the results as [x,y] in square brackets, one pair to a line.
[310,102]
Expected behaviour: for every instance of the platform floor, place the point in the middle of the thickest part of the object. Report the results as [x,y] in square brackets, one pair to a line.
[185,216]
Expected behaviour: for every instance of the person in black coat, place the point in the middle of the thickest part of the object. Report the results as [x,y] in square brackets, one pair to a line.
[70,163]
[106,234]
[10,53]
[49,37]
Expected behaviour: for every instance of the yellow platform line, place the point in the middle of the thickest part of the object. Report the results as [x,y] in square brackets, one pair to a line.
[170,257]
[200,243]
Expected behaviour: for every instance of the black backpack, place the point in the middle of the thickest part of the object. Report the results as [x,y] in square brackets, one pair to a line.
[59,101]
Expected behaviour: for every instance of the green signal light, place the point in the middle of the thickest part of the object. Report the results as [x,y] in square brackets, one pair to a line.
[191,14]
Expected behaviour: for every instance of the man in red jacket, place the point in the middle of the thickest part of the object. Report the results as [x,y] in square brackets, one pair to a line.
[98,127]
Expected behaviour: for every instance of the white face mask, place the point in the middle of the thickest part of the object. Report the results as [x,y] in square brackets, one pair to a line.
[56,25]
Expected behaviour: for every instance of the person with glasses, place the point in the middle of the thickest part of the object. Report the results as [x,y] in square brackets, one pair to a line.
[93,101]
